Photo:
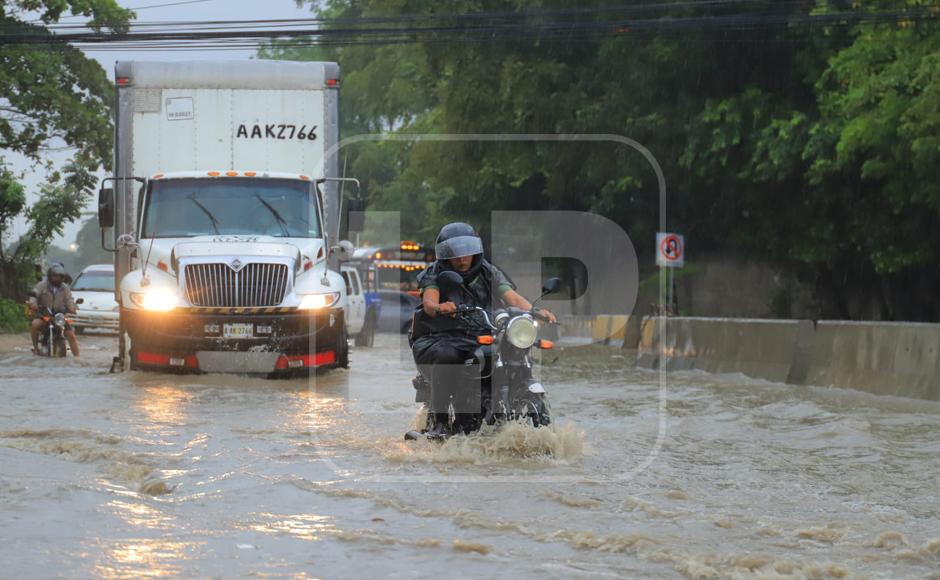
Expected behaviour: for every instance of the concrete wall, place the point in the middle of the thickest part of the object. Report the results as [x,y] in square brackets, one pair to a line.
[762,349]
[613,330]
[878,357]
[884,358]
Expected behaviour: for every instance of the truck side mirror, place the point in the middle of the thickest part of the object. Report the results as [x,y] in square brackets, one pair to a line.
[106,208]
[355,215]
[344,250]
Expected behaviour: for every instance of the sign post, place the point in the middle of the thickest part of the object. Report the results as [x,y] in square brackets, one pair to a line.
[670,254]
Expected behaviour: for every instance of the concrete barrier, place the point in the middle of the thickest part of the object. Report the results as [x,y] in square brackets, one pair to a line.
[901,359]
[758,348]
[615,330]
[884,358]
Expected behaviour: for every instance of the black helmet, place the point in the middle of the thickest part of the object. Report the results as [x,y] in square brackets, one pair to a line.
[457,240]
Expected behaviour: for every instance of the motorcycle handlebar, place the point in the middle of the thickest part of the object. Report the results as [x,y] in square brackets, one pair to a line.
[465,309]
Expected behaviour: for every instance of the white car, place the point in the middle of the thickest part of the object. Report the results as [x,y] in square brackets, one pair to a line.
[93,291]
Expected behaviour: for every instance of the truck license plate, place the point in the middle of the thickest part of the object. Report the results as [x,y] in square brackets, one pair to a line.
[238,330]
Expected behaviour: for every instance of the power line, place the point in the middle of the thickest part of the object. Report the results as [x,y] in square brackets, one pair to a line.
[777,6]
[458,28]
[134,9]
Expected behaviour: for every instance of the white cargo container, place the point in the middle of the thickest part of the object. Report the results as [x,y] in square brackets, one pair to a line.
[225,214]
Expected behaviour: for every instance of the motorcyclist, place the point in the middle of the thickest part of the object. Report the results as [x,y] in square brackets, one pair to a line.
[439,341]
[53,293]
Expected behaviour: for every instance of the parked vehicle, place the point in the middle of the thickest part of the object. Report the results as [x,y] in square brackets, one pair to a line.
[225,216]
[397,310]
[93,290]
[361,314]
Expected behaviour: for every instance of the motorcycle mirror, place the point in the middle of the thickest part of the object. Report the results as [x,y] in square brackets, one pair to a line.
[80,301]
[449,280]
[551,286]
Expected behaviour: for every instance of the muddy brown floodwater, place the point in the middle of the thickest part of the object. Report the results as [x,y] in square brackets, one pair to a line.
[161,475]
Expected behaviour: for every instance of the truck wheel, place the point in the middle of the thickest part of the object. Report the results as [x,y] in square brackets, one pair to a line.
[366,336]
[342,348]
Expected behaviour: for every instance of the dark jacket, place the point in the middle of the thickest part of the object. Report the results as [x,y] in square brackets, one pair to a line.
[484,290]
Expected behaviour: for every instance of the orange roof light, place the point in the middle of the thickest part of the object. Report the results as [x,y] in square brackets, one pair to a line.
[213,174]
[305,178]
[158,176]
[231,173]
[250,174]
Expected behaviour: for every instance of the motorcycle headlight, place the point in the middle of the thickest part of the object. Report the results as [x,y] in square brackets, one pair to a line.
[521,332]
[155,299]
[317,301]
[59,319]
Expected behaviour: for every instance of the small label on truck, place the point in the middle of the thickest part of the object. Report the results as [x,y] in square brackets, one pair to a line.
[179,109]
[278,132]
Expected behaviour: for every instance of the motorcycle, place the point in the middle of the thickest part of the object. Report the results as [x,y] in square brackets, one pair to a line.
[497,382]
[52,337]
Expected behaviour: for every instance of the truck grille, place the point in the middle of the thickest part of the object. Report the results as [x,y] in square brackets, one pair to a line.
[220,285]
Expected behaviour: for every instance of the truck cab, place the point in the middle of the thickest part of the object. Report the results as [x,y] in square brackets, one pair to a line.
[231,272]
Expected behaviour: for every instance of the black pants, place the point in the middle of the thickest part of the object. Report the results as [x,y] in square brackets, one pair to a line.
[449,362]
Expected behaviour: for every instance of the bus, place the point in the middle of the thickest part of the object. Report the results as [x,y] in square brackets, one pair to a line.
[393,267]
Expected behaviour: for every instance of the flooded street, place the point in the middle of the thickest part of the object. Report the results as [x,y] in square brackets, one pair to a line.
[160,475]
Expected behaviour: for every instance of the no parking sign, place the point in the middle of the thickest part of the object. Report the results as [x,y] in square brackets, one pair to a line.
[670,250]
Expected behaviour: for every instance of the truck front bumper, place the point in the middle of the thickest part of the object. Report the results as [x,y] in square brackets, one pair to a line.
[177,338]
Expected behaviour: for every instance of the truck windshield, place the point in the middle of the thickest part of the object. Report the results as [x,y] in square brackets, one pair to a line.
[179,208]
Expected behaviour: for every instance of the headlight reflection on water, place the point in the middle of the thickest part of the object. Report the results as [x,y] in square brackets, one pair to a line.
[163,405]
[306,526]
[140,557]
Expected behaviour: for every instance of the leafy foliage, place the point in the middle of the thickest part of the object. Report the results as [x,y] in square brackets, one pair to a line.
[51,98]
[814,148]
[12,316]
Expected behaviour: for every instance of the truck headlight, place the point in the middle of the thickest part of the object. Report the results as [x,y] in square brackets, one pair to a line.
[155,299]
[521,332]
[317,301]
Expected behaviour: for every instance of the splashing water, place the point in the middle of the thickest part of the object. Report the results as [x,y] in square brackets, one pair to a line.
[508,442]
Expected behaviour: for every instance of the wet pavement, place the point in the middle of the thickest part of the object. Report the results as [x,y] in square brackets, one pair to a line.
[679,475]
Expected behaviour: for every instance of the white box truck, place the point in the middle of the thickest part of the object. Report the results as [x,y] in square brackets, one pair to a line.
[224,217]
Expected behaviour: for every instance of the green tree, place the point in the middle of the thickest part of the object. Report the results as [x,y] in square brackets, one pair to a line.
[12,202]
[812,145]
[53,97]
